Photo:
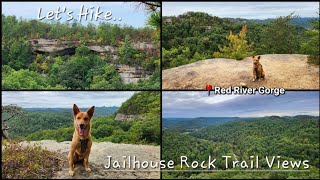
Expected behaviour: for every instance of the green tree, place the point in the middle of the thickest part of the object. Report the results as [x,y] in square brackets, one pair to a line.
[280,37]
[127,52]
[312,46]
[155,21]
[20,54]
[22,79]
[109,79]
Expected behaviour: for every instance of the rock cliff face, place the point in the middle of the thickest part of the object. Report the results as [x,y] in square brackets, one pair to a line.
[131,74]
[128,74]
[59,47]
[63,47]
[124,117]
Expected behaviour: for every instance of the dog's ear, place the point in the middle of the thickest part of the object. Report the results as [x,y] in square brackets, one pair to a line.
[90,111]
[75,110]
[252,57]
[259,57]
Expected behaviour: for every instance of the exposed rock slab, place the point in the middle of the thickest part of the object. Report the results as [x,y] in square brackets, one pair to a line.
[98,159]
[124,117]
[289,71]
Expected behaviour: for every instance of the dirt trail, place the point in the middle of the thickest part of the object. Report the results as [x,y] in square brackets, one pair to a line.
[289,71]
[98,159]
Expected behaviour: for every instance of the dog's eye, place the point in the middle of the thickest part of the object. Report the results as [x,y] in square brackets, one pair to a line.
[78,117]
[86,119]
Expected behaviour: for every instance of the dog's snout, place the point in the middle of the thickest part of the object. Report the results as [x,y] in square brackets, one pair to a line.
[81,126]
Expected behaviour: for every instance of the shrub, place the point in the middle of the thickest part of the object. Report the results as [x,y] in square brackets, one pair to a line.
[26,161]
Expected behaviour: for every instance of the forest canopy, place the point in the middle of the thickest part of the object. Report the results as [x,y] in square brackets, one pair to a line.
[196,36]
[292,138]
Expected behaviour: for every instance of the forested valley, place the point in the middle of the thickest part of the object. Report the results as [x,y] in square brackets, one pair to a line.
[292,138]
[196,36]
[70,55]
[36,124]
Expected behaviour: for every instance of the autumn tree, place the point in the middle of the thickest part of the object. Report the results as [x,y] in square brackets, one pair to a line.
[238,47]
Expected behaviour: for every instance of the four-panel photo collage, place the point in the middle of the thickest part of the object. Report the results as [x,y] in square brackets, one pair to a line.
[160,90]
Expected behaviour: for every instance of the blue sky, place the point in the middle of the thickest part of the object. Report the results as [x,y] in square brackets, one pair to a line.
[65,99]
[248,10]
[199,104]
[128,12]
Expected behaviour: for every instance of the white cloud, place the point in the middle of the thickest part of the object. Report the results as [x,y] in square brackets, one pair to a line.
[64,99]
[249,10]
[199,104]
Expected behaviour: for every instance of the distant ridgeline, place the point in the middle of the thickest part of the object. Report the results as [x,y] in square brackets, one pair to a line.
[191,124]
[99,111]
[37,119]
[143,127]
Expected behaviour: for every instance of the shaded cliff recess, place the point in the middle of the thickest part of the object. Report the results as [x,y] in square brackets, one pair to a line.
[128,74]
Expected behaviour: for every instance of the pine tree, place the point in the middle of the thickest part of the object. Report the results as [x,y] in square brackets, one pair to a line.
[127,52]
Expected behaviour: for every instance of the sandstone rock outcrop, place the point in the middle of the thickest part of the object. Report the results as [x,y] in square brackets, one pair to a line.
[124,117]
[129,74]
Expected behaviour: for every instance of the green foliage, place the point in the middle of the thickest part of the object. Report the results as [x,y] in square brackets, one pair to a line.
[281,37]
[145,102]
[76,72]
[155,21]
[299,134]
[22,79]
[152,83]
[48,121]
[28,162]
[60,134]
[293,138]
[13,28]
[39,120]
[109,79]
[20,54]
[193,148]
[195,36]
[84,69]
[312,46]
[127,52]
[238,47]
[57,123]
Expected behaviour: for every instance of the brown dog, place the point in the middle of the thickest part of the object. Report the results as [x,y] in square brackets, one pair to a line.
[258,72]
[82,140]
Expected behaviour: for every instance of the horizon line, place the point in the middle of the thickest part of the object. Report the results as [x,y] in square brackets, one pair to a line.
[237,17]
[244,116]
